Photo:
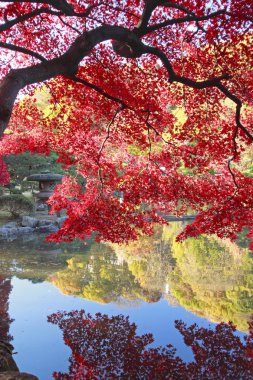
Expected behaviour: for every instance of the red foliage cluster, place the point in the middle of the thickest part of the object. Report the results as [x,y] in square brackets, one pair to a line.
[108,348]
[4,174]
[149,99]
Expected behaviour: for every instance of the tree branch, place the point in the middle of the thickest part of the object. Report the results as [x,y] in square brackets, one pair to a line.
[238,103]
[22,50]
[70,26]
[27,16]
[108,130]
[181,20]
[61,5]
[67,65]
[213,82]
[99,90]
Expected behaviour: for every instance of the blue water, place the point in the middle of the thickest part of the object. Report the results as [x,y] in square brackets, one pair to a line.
[39,344]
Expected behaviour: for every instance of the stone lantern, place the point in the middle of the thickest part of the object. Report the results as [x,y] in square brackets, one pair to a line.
[47,182]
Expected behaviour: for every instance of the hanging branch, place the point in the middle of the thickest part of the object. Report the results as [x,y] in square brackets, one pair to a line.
[108,127]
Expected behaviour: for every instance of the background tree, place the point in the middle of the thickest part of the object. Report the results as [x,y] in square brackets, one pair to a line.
[22,165]
[115,72]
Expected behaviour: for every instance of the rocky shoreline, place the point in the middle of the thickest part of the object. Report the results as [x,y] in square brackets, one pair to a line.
[30,225]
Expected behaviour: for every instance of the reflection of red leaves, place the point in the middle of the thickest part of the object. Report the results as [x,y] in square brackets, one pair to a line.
[108,348]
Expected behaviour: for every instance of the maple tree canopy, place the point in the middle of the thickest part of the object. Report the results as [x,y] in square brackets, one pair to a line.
[150,100]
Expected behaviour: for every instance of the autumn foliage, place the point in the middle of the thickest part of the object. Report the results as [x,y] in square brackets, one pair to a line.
[106,347]
[4,175]
[150,101]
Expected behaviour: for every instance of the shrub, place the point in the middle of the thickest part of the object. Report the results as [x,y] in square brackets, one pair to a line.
[15,191]
[15,204]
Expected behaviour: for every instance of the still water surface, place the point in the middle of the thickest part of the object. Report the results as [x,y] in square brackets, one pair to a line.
[154,281]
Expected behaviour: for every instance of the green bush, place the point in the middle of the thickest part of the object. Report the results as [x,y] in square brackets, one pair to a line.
[15,204]
[15,191]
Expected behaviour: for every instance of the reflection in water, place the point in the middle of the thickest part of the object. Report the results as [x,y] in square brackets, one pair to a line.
[33,258]
[5,320]
[208,276]
[7,362]
[212,278]
[103,277]
[108,348]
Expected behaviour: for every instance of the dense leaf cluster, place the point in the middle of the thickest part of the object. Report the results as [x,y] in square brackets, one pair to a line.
[148,99]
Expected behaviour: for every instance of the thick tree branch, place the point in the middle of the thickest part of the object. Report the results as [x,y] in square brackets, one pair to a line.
[150,5]
[61,5]
[66,64]
[213,82]
[22,50]
[27,16]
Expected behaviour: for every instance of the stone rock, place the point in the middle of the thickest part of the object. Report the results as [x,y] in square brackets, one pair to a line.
[25,230]
[45,222]
[10,225]
[13,375]
[28,221]
[41,207]
[61,220]
[13,232]
[48,228]
[6,232]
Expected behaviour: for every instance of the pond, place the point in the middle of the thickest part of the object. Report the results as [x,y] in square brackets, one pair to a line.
[154,281]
